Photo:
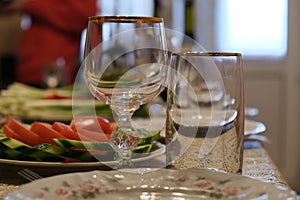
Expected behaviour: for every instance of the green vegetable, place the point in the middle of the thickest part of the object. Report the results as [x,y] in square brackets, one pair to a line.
[73,149]
[15,149]
[146,136]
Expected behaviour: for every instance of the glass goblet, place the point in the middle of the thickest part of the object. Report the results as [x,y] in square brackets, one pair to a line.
[125,67]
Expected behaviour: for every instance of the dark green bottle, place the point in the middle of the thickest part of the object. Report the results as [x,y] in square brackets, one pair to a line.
[189,18]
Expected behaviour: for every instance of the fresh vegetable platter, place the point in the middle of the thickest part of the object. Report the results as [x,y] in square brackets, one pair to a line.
[84,139]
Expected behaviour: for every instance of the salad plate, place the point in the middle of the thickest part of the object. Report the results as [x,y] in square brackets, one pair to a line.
[150,184]
[50,168]
[151,155]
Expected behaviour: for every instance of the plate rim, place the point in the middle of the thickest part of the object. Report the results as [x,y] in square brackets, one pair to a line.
[152,155]
[260,127]
[267,188]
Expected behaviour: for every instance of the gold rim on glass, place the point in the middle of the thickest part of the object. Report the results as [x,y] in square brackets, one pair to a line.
[126,19]
[227,54]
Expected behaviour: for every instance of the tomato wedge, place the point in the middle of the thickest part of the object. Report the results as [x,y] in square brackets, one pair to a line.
[93,135]
[8,132]
[93,123]
[45,131]
[112,126]
[65,130]
[68,132]
[25,135]
[59,126]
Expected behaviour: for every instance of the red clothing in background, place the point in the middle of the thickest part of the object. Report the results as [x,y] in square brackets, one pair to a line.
[55,32]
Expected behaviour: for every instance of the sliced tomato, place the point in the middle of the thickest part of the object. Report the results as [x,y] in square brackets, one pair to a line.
[27,136]
[75,135]
[93,123]
[65,130]
[59,126]
[112,126]
[68,132]
[93,135]
[45,131]
[82,137]
[8,132]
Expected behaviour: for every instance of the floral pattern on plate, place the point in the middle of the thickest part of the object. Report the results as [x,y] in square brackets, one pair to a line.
[155,184]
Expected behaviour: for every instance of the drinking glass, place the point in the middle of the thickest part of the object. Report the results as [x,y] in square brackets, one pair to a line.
[54,72]
[125,67]
[205,111]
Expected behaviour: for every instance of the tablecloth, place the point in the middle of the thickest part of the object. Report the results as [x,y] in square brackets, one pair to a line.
[257,164]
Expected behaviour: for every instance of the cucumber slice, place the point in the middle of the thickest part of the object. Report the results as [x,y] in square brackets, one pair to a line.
[104,151]
[143,149]
[15,149]
[80,156]
[6,152]
[87,151]
[100,146]
[1,134]
[49,148]
[146,136]
[16,145]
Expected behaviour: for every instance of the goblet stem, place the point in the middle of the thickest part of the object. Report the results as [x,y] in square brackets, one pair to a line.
[125,140]
[125,137]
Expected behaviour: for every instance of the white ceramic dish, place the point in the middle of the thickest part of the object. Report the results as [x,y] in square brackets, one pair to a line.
[155,184]
[153,154]
[251,111]
[51,168]
[254,127]
[203,118]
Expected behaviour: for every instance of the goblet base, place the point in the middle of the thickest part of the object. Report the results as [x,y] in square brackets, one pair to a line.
[125,139]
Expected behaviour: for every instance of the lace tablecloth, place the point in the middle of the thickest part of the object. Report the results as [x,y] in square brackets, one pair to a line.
[257,164]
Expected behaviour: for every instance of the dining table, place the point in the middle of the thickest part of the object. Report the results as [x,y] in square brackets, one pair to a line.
[257,164]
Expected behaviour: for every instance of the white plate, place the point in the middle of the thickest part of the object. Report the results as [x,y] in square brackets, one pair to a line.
[254,127]
[203,117]
[154,184]
[79,164]
[50,168]
[251,111]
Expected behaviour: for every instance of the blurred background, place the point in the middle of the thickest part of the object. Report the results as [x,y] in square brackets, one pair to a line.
[9,40]
[267,33]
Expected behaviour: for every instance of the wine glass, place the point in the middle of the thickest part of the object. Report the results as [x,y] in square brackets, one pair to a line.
[125,67]
[53,73]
